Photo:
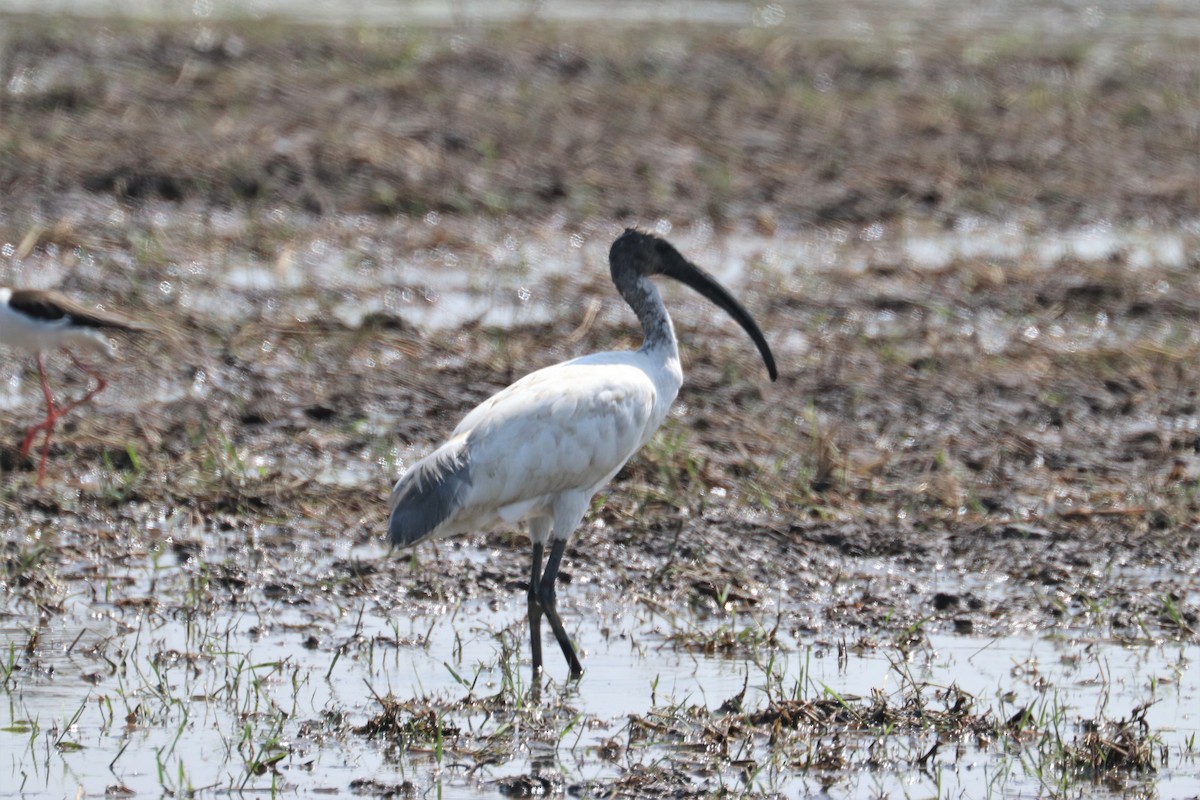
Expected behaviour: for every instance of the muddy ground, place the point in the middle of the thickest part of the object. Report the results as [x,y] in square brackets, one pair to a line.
[1021,415]
[684,122]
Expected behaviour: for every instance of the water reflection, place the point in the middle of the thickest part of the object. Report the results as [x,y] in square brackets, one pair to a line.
[209,688]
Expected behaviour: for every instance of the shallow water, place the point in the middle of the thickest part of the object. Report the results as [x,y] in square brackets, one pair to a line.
[513,275]
[155,695]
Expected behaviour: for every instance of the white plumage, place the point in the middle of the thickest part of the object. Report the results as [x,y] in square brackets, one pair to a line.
[34,335]
[539,450]
[551,440]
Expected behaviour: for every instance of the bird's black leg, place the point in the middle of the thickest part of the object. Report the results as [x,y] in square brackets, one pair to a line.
[548,605]
[535,611]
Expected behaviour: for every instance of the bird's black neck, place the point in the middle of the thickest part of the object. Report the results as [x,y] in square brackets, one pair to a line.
[643,297]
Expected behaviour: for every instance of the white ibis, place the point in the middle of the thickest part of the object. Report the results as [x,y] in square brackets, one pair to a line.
[34,321]
[538,451]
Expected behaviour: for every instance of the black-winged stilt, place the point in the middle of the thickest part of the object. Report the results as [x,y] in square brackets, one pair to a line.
[33,321]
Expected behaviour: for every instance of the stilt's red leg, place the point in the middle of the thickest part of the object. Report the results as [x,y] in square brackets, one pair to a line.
[53,412]
[31,434]
[100,384]
[27,442]
[47,425]
[42,460]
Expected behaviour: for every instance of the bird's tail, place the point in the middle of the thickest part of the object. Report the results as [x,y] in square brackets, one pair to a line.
[429,493]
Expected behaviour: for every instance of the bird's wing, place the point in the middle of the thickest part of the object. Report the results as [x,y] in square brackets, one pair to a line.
[429,493]
[50,306]
[565,428]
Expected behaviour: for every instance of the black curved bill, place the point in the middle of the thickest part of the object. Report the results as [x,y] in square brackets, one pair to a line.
[676,266]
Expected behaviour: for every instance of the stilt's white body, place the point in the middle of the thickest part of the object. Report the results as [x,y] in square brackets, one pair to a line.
[28,334]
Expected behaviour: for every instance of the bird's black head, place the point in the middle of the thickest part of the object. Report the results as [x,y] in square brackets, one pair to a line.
[641,253]
[635,254]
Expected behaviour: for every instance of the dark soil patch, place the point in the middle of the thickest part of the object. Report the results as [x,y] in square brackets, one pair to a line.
[656,122]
